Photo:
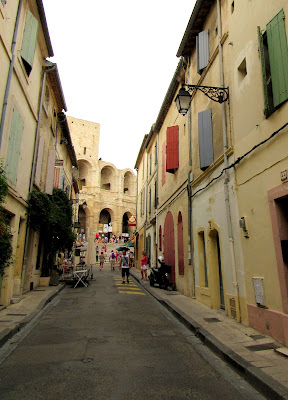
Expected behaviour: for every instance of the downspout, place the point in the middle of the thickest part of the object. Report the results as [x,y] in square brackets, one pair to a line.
[189,189]
[10,72]
[225,148]
[50,68]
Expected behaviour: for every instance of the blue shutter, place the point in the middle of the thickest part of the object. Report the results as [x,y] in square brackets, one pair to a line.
[205,139]
[14,145]
[278,57]
[202,42]
[29,41]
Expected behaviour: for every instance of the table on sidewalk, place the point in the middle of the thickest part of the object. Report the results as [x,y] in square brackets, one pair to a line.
[81,276]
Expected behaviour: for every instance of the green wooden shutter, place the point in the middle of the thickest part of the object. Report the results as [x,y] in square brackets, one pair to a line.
[278,56]
[14,145]
[29,41]
[264,74]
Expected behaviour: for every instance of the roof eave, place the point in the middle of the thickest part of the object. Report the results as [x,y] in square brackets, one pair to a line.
[45,27]
[66,132]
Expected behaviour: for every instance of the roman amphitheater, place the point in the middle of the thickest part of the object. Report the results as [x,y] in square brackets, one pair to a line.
[108,195]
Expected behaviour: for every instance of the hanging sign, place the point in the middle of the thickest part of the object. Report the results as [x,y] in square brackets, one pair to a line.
[132,221]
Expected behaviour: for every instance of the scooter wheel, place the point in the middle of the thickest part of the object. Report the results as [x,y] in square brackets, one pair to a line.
[152,283]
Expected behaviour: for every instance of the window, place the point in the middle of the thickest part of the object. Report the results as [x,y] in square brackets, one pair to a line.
[172,149]
[160,238]
[150,201]
[29,41]
[205,135]
[156,155]
[232,7]
[84,150]
[202,44]
[163,163]
[14,146]
[155,194]
[150,163]
[274,63]
[242,70]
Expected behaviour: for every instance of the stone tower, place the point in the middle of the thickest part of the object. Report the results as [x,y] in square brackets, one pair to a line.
[110,193]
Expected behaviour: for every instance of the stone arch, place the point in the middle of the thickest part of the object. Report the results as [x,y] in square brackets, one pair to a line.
[108,178]
[129,183]
[125,226]
[84,172]
[106,217]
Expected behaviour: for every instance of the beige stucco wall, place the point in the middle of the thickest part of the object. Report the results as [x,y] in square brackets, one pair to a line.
[262,168]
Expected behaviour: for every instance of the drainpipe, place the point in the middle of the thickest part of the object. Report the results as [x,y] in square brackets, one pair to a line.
[156,200]
[47,68]
[225,145]
[10,72]
[190,225]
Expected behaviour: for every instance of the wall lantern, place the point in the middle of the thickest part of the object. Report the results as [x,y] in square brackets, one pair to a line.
[184,96]
[84,204]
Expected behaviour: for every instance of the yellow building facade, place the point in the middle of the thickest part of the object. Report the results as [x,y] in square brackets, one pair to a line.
[31,132]
[221,217]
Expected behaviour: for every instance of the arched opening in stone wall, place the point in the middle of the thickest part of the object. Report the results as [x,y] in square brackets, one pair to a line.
[105,223]
[107,178]
[128,183]
[84,170]
[126,229]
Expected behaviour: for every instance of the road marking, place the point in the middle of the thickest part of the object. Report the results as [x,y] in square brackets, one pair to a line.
[123,291]
[127,288]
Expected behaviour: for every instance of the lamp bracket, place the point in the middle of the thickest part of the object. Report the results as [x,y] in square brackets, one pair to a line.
[218,94]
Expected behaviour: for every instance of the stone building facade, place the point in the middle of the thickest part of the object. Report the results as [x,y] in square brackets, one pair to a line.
[108,195]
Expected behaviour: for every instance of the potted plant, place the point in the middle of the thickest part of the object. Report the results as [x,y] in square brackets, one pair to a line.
[51,216]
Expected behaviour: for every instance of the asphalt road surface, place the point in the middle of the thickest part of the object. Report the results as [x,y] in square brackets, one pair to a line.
[114,341]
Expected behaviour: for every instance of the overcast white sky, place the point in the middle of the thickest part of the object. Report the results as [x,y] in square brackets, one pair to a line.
[116,60]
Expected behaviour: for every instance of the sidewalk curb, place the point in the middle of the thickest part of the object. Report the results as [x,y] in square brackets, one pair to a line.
[8,333]
[266,385]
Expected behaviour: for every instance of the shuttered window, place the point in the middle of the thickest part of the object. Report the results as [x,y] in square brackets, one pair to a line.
[274,62]
[29,41]
[50,172]
[40,152]
[202,44]
[172,149]
[163,163]
[205,135]
[155,194]
[14,146]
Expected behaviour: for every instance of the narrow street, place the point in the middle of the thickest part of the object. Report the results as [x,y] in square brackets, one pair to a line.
[114,341]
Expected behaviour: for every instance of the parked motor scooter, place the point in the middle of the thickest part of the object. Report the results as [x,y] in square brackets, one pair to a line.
[159,275]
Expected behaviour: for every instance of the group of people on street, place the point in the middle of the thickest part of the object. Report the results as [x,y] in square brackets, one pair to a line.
[125,262]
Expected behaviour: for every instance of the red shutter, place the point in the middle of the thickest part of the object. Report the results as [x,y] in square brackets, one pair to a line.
[172,149]
[180,245]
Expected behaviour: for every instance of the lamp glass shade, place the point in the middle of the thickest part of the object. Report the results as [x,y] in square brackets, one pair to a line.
[183,100]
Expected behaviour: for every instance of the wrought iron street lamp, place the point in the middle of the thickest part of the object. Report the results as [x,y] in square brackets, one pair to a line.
[184,96]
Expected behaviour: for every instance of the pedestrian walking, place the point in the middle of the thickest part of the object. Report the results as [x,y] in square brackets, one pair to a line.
[131,259]
[102,258]
[112,259]
[144,265]
[125,266]
[97,253]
